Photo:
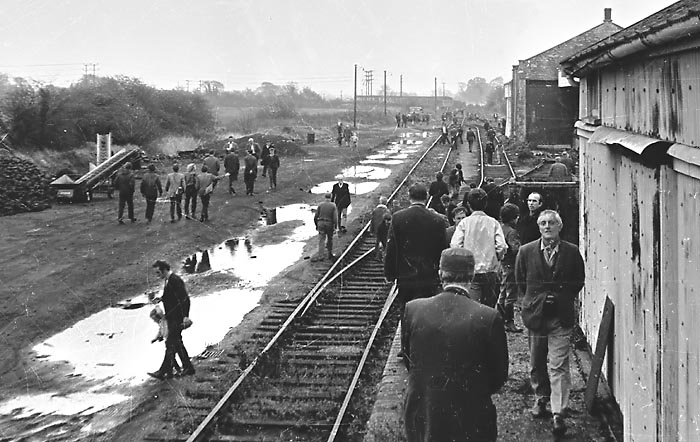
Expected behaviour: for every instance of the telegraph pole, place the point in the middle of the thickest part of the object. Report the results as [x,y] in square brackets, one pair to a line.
[436,107]
[401,85]
[443,88]
[354,113]
[384,93]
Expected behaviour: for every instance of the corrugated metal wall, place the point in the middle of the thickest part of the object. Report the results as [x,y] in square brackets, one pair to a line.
[621,239]
[681,327]
[657,97]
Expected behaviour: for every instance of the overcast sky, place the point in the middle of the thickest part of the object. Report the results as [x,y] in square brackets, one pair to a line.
[314,43]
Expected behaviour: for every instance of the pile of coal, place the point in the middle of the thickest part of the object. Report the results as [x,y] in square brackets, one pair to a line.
[23,187]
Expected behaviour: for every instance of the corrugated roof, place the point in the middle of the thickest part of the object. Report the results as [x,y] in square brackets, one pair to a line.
[678,12]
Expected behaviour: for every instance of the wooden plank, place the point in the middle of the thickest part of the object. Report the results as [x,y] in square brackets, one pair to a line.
[599,355]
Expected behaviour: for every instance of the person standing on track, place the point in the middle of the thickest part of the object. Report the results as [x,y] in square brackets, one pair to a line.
[381,220]
[549,274]
[340,195]
[416,239]
[483,236]
[456,353]
[471,136]
[325,219]
[151,189]
[438,188]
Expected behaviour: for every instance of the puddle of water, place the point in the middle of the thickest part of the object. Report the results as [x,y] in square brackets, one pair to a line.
[83,403]
[114,345]
[385,162]
[367,172]
[355,188]
[375,157]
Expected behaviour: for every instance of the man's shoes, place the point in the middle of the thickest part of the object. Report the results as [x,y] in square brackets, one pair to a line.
[120,221]
[558,425]
[317,258]
[512,328]
[172,221]
[332,257]
[187,372]
[133,220]
[539,409]
[160,376]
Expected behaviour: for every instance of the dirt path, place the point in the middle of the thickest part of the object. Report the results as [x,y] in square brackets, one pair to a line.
[68,262]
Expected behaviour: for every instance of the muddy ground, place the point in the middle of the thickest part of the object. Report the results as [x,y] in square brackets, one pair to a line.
[65,263]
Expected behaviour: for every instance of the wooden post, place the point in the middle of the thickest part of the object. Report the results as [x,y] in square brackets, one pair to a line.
[601,345]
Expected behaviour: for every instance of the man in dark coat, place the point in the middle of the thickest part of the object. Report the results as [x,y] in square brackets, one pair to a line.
[151,189]
[340,195]
[437,189]
[272,165]
[456,353]
[176,302]
[250,172]
[125,183]
[471,136]
[528,230]
[549,274]
[416,239]
[494,198]
[231,165]
[379,226]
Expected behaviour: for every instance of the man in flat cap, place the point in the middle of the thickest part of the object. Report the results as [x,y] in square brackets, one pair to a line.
[456,353]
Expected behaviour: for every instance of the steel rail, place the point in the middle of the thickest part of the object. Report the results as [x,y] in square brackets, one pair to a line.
[361,365]
[302,308]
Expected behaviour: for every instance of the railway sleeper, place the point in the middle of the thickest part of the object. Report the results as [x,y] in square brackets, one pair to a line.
[348,353]
[316,362]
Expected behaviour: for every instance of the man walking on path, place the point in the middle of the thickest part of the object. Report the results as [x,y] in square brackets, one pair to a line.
[125,183]
[340,195]
[212,164]
[471,136]
[273,165]
[176,302]
[231,165]
[325,219]
[416,239]
[508,295]
[379,226]
[151,189]
[456,353]
[250,172]
[527,225]
[549,274]
[191,192]
[175,188]
[207,182]
[483,236]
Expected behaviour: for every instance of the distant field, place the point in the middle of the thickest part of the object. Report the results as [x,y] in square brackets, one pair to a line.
[228,114]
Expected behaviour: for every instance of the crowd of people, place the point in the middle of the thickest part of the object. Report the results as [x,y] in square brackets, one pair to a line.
[196,184]
[459,279]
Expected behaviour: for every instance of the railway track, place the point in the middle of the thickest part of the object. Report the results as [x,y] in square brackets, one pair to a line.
[306,381]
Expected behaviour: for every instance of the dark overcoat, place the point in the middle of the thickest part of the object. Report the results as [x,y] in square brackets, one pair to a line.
[535,279]
[416,240]
[457,357]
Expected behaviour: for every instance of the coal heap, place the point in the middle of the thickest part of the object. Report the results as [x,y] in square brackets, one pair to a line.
[23,187]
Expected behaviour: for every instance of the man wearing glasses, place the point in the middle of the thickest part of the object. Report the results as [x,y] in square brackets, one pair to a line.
[549,274]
